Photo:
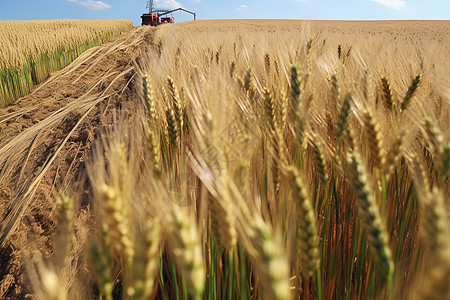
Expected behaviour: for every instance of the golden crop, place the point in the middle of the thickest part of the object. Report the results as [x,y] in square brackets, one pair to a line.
[32,49]
[253,159]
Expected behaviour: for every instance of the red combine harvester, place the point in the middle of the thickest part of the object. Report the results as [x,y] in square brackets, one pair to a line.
[154,16]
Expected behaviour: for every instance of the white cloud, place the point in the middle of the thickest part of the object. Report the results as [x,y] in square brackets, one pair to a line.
[397,4]
[167,4]
[91,4]
[242,6]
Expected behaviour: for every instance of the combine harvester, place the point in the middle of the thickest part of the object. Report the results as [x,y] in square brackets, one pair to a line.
[155,16]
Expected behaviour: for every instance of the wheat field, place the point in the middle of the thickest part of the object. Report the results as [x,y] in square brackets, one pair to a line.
[246,159]
[31,50]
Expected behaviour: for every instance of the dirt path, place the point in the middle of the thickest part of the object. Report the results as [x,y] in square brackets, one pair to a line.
[45,138]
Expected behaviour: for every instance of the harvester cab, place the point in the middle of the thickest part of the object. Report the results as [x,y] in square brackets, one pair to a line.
[154,17]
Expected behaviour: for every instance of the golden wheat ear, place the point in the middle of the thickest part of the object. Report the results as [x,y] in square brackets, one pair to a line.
[269,105]
[296,105]
[146,263]
[64,230]
[53,280]
[319,159]
[270,262]
[176,104]
[267,64]
[411,92]
[335,88]
[45,282]
[386,92]
[149,99]
[436,221]
[375,145]
[221,206]
[275,136]
[152,132]
[394,154]
[342,121]
[222,222]
[436,281]
[440,149]
[306,225]
[117,222]
[172,128]
[436,225]
[371,220]
[295,90]
[187,251]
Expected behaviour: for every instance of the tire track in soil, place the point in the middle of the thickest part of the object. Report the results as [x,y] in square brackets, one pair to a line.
[45,138]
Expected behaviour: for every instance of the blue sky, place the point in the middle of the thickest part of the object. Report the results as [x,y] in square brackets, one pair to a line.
[229,9]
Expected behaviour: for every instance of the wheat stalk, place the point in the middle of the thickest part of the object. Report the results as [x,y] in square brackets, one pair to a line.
[102,270]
